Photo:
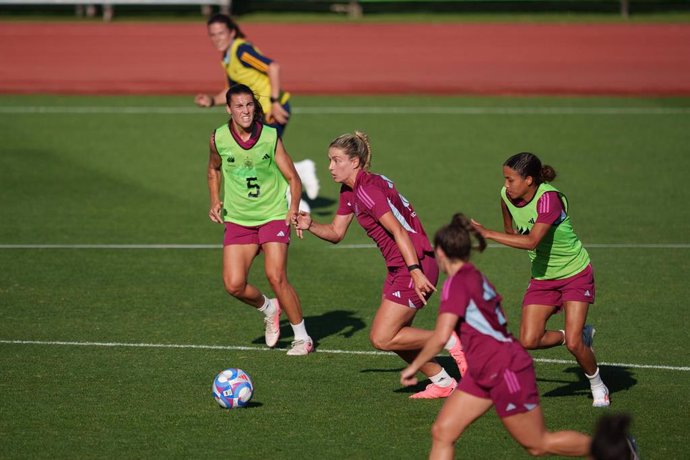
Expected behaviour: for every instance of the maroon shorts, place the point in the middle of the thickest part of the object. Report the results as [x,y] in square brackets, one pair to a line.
[275,231]
[399,287]
[578,288]
[515,390]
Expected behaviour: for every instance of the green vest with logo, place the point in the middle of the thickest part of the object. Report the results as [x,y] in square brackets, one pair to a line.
[253,186]
[560,253]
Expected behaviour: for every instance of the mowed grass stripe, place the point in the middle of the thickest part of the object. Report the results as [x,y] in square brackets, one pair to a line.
[320,350]
[355,110]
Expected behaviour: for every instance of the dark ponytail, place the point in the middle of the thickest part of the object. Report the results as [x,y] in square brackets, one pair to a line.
[529,165]
[455,239]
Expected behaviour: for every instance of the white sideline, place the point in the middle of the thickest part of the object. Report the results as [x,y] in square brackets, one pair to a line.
[320,350]
[340,246]
[356,110]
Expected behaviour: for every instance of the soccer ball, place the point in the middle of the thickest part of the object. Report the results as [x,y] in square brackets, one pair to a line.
[232,388]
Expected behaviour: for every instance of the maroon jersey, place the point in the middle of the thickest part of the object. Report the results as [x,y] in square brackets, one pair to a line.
[482,327]
[371,197]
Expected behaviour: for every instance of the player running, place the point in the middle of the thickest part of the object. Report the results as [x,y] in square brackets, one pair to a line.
[500,373]
[243,63]
[535,218]
[389,219]
[248,160]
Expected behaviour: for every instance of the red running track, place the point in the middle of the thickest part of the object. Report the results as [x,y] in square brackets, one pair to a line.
[353,58]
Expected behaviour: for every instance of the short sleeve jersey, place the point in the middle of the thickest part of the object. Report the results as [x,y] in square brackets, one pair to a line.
[372,196]
[482,326]
[245,64]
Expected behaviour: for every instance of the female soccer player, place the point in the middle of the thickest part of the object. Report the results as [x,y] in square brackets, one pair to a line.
[248,159]
[500,372]
[391,222]
[245,64]
[535,217]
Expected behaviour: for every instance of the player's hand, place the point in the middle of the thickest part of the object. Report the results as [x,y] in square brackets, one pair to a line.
[479,228]
[203,100]
[279,114]
[215,213]
[422,285]
[291,216]
[408,376]
[302,222]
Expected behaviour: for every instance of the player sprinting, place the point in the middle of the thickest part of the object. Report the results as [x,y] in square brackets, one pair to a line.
[535,218]
[243,63]
[500,372]
[250,166]
[389,219]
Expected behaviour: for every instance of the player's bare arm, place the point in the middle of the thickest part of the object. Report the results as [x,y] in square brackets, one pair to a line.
[333,232]
[214,182]
[529,241]
[209,100]
[278,113]
[421,283]
[287,169]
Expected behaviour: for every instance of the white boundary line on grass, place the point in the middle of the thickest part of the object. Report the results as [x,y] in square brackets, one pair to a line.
[356,110]
[320,350]
[341,246]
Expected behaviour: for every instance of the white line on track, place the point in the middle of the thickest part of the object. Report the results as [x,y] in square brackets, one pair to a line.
[356,110]
[340,246]
[320,350]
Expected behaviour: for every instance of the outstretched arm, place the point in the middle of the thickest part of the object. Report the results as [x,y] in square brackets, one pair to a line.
[333,232]
[529,241]
[209,100]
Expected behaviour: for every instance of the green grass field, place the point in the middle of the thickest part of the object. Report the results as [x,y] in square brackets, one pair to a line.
[110,335]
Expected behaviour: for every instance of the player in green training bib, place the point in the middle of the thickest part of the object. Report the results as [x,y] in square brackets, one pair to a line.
[250,169]
[244,64]
[535,218]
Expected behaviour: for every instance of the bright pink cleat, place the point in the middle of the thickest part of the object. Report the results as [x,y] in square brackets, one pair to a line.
[433,391]
[459,355]
[272,326]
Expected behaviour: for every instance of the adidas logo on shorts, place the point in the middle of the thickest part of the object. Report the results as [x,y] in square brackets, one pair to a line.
[281,233]
[397,294]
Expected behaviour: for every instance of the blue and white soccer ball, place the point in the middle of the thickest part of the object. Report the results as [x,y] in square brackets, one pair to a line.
[233,388]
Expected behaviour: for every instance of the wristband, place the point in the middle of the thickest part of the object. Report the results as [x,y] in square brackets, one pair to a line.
[413,267]
[275,99]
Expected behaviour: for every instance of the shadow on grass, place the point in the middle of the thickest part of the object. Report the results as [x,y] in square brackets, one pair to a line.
[616,378]
[319,205]
[445,361]
[336,322]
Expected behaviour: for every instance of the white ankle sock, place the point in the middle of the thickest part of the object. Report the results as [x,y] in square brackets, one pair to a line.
[442,379]
[451,342]
[300,331]
[594,380]
[268,308]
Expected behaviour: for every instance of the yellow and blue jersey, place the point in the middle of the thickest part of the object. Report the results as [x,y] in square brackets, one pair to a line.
[245,64]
